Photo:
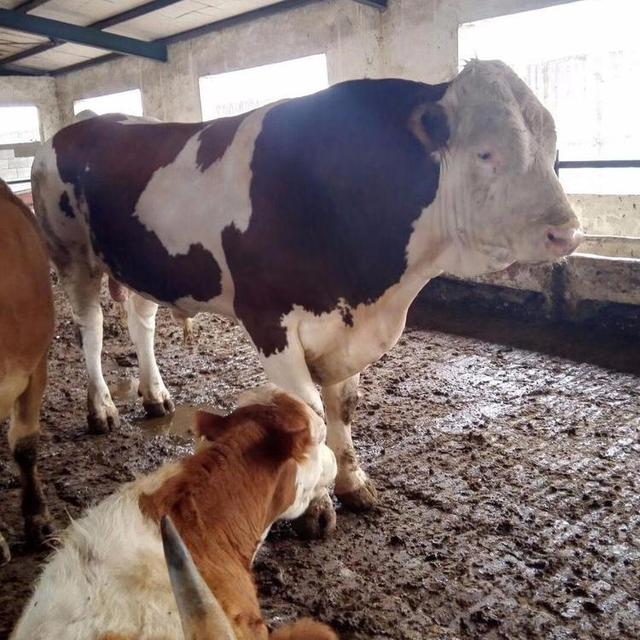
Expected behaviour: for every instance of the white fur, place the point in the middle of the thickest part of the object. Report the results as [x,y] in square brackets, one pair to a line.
[109,576]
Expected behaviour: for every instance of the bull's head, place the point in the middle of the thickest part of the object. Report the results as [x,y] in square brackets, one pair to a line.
[502,201]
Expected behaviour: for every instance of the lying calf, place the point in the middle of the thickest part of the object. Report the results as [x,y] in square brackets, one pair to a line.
[265,461]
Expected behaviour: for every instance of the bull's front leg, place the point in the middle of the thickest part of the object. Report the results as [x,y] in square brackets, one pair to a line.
[288,369]
[141,317]
[353,488]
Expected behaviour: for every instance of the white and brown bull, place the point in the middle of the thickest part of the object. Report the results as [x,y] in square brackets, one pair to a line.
[109,580]
[313,222]
[26,330]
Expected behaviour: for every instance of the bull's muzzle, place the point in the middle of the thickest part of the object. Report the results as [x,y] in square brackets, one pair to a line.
[563,241]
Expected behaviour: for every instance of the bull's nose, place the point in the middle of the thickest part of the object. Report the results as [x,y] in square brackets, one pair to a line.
[562,241]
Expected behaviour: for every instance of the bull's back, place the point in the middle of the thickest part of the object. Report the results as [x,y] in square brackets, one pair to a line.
[26,300]
[123,188]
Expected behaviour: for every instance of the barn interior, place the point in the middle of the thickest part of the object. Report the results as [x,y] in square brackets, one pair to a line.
[502,431]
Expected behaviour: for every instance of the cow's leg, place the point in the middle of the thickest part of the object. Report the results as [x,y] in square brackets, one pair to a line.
[288,369]
[24,432]
[141,316]
[83,289]
[353,488]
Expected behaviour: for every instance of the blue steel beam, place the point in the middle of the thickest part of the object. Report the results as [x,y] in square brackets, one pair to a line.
[111,21]
[378,4]
[88,36]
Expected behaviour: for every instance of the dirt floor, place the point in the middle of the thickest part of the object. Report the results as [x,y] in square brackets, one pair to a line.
[508,479]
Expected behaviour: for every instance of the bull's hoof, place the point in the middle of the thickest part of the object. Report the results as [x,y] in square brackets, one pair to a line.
[363,498]
[159,409]
[38,529]
[5,552]
[98,425]
[318,521]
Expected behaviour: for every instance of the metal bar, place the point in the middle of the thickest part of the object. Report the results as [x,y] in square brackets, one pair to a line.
[32,51]
[18,181]
[233,21]
[30,5]
[262,12]
[130,14]
[14,70]
[378,4]
[82,35]
[79,66]
[597,164]
[112,21]
[22,149]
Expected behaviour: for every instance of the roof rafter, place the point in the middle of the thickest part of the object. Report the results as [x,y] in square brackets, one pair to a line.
[196,32]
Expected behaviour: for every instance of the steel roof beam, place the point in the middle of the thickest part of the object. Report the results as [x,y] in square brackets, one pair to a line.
[378,4]
[112,21]
[87,36]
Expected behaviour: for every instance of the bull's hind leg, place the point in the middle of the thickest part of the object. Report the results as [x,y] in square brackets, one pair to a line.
[353,488]
[83,290]
[141,316]
[24,432]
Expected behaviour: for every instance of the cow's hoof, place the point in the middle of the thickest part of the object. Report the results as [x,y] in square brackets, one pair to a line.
[99,425]
[5,552]
[38,529]
[159,409]
[360,499]
[318,521]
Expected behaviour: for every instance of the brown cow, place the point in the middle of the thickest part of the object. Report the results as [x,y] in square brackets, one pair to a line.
[264,462]
[26,329]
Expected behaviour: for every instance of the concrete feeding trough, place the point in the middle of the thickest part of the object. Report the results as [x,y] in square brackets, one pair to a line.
[599,286]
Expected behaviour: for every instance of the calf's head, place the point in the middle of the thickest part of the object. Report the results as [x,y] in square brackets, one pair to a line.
[278,429]
[502,199]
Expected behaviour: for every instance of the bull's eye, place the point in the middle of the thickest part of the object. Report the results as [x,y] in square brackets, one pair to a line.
[485,156]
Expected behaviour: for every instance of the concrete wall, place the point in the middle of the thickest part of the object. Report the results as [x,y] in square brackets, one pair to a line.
[41,92]
[414,39]
[608,215]
[347,32]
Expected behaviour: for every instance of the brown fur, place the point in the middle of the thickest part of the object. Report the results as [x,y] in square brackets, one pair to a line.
[304,629]
[26,330]
[224,498]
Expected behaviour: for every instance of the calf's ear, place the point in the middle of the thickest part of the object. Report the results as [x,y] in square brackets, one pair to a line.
[210,425]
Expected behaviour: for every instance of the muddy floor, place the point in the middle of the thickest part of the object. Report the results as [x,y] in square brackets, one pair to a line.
[508,480]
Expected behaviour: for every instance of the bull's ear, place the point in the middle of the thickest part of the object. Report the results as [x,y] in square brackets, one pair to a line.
[210,425]
[430,125]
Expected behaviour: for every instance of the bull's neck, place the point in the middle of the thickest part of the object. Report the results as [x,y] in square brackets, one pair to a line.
[430,244]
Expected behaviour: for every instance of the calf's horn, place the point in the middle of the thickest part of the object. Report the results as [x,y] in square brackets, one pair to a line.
[201,615]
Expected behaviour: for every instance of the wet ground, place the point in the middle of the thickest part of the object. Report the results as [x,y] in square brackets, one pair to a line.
[508,479]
